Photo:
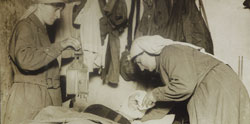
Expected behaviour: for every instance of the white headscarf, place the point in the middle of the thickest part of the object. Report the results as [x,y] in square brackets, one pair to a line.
[154,45]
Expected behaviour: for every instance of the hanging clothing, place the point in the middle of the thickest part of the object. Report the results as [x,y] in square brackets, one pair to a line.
[187,25]
[64,30]
[155,16]
[181,22]
[36,71]
[112,24]
[112,63]
[130,24]
[135,7]
[127,67]
[88,19]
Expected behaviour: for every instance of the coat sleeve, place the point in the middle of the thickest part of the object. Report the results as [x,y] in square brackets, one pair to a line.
[28,55]
[180,75]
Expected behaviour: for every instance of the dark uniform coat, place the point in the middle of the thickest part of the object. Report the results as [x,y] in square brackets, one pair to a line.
[36,71]
[214,92]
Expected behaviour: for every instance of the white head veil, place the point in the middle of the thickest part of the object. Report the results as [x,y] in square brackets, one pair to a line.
[154,45]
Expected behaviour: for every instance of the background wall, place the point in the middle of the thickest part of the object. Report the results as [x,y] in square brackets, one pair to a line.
[229,25]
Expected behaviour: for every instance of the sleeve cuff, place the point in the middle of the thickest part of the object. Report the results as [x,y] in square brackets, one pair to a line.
[157,94]
[54,50]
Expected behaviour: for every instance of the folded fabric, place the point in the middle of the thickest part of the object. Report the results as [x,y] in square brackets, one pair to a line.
[139,98]
[132,106]
[168,119]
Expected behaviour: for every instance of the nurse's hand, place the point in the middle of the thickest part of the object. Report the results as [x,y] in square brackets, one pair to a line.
[149,100]
[71,42]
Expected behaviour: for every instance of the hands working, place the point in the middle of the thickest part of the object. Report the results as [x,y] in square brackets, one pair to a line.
[71,42]
[149,100]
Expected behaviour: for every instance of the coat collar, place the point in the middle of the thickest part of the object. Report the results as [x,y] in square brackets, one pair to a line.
[37,22]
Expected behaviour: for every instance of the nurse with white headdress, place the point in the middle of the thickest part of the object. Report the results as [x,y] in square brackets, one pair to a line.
[214,93]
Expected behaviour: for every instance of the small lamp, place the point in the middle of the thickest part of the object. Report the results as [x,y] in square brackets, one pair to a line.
[77,77]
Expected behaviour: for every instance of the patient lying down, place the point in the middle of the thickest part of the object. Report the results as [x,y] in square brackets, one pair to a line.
[131,109]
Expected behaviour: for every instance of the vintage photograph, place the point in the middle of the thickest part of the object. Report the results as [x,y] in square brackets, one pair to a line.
[125,61]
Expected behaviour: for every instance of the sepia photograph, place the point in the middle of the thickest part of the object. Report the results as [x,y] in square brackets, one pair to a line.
[125,61]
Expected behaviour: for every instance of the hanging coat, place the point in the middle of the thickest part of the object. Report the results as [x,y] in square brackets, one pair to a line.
[187,24]
[36,71]
[155,16]
[179,20]
[213,90]
[112,24]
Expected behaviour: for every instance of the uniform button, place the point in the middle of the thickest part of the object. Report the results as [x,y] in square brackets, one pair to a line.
[47,50]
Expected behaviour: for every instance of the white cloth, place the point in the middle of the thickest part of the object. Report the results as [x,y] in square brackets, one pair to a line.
[32,8]
[88,18]
[131,108]
[168,119]
[154,44]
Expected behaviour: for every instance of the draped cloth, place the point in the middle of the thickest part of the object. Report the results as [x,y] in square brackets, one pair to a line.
[154,45]
[179,20]
[32,8]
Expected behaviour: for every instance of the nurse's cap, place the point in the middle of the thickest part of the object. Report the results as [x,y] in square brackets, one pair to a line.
[50,1]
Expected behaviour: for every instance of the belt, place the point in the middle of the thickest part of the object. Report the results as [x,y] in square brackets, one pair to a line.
[48,83]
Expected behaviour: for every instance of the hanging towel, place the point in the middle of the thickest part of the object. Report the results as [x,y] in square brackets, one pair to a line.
[65,30]
[88,18]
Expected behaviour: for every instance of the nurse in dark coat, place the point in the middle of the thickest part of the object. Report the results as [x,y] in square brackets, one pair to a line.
[214,92]
[34,62]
